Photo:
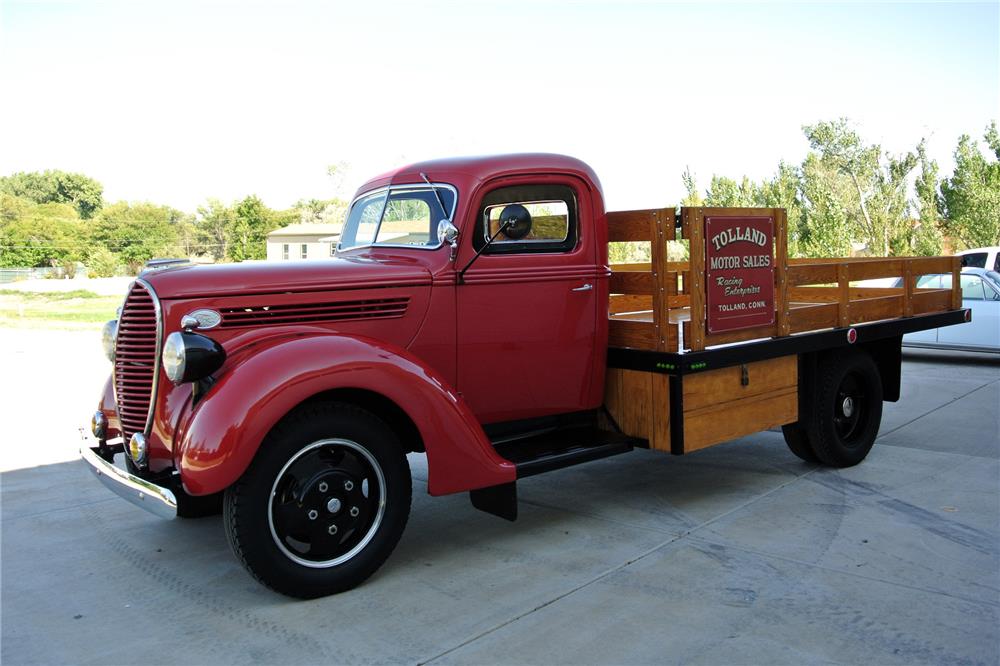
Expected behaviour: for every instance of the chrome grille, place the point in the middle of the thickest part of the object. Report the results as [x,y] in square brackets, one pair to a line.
[136,352]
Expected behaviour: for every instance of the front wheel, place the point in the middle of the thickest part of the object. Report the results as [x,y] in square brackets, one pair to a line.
[324,502]
[847,408]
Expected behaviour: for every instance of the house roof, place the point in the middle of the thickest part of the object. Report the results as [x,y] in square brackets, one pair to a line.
[307,229]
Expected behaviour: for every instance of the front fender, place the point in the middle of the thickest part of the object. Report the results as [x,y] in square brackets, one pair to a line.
[220,435]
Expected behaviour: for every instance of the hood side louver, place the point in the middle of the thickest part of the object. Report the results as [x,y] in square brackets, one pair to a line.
[313,313]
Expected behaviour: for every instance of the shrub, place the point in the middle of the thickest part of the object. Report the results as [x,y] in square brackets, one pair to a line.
[102,263]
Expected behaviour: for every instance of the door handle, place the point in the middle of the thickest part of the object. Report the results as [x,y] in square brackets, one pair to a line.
[586,287]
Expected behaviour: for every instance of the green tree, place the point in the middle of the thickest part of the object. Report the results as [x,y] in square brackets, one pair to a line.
[38,234]
[971,197]
[214,219]
[927,237]
[692,198]
[876,204]
[136,232]
[52,186]
[246,235]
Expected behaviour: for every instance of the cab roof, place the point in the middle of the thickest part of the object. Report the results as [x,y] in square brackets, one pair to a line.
[464,172]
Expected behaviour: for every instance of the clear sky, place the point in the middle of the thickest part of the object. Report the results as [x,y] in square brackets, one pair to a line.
[176,101]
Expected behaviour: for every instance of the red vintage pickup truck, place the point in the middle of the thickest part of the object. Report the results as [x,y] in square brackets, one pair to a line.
[471,314]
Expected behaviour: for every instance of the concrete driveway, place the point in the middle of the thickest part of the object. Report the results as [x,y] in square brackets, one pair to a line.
[737,554]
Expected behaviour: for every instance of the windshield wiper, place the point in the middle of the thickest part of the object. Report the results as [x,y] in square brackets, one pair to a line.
[437,195]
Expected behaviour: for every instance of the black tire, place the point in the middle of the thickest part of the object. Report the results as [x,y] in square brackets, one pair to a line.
[189,506]
[323,503]
[798,442]
[847,408]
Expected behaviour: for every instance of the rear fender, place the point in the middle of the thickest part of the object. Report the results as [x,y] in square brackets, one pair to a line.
[220,435]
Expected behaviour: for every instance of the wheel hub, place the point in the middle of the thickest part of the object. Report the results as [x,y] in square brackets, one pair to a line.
[327,503]
[848,406]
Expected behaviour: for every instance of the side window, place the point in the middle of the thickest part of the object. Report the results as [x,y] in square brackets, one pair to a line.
[929,282]
[304,251]
[538,218]
[996,262]
[284,251]
[974,260]
[972,288]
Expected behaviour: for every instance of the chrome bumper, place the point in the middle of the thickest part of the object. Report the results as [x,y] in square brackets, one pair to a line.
[149,496]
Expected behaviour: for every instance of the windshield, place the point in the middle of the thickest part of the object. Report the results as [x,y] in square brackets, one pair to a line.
[405,216]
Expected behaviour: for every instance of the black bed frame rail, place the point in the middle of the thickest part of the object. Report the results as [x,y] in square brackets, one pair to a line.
[672,363]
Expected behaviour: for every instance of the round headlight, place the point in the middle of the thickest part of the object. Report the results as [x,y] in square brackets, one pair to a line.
[174,357]
[109,336]
[188,357]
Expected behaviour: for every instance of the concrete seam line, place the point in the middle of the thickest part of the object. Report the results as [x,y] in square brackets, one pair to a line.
[607,573]
[926,414]
[112,498]
[853,574]
[605,519]
[553,600]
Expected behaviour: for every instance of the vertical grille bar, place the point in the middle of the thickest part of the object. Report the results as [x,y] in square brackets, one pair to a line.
[137,353]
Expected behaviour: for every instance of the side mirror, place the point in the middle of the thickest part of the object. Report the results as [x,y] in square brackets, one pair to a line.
[447,232]
[515,220]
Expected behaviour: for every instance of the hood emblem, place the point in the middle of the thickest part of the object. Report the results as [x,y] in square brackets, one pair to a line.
[206,319]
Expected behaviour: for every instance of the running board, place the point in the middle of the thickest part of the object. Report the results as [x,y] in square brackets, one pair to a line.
[564,447]
[546,452]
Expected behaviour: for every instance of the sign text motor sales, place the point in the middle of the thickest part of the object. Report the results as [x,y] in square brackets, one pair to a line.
[740,272]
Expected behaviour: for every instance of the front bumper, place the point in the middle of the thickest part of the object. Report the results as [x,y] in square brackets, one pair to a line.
[156,499]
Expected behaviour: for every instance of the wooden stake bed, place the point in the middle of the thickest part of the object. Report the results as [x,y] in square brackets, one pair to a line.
[657,313]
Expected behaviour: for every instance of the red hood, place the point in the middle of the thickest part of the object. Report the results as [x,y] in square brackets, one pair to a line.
[261,277]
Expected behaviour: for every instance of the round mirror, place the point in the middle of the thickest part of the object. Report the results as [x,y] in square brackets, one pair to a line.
[518,221]
[447,232]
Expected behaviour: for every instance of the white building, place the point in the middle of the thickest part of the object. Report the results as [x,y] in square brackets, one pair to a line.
[303,241]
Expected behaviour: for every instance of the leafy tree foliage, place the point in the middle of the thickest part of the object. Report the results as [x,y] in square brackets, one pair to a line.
[214,219]
[38,234]
[247,232]
[83,193]
[137,232]
[971,197]
[845,191]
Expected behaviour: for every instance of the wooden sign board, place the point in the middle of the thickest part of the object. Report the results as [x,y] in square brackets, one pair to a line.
[739,272]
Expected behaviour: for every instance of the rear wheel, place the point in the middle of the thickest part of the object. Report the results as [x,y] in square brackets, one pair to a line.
[323,504]
[848,408]
[798,442]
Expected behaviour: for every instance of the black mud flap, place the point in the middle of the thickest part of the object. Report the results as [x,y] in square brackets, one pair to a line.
[499,500]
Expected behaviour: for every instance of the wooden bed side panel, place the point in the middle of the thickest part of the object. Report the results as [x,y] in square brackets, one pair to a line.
[731,420]
[639,402]
[720,405]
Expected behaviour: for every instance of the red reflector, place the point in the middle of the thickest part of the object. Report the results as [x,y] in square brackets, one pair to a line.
[852,336]
[968,315]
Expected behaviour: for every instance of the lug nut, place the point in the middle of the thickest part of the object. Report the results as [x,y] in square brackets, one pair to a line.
[331,530]
[348,486]
[354,512]
[313,514]
[323,487]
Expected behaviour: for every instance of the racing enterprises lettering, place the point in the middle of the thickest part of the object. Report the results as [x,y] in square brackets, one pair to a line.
[733,286]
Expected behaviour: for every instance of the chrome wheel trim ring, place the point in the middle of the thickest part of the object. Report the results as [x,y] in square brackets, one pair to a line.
[376,523]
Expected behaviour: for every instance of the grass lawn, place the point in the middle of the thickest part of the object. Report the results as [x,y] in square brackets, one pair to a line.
[70,309]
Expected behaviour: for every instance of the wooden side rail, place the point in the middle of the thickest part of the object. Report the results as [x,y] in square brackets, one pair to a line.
[657,305]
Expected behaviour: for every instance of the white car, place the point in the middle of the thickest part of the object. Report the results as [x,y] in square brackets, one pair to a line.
[981,257]
[981,294]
